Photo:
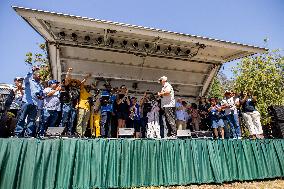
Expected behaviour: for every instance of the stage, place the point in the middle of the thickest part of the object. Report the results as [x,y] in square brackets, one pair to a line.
[111,163]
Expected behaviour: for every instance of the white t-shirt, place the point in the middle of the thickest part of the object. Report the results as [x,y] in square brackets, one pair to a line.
[232,103]
[169,100]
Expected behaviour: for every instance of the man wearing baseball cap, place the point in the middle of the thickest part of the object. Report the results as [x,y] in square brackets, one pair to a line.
[18,90]
[51,106]
[168,105]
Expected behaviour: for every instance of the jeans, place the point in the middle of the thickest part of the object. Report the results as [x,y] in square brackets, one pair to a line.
[68,118]
[49,119]
[170,120]
[233,121]
[28,111]
[105,124]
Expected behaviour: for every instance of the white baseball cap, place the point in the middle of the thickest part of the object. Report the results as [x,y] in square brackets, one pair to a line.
[163,78]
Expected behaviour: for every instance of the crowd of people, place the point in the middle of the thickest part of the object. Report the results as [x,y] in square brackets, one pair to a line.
[86,111]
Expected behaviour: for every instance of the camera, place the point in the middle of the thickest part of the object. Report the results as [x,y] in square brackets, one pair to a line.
[121,96]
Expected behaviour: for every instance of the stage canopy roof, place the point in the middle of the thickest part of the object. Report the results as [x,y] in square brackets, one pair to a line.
[125,53]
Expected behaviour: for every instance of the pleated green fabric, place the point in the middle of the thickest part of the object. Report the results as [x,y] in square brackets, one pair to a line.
[108,163]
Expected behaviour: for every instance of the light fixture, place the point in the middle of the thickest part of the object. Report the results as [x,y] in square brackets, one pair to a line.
[135,45]
[202,46]
[178,51]
[74,36]
[100,40]
[187,51]
[87,38]
[168,50]
[146,45]
[124,43]
[111,42]
[62,35]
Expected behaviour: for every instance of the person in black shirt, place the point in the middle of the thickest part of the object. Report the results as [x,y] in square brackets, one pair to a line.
[69,98]
[203,112]
[251,115]
[122,106]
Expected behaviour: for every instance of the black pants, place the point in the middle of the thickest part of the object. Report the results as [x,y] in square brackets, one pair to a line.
[170,120]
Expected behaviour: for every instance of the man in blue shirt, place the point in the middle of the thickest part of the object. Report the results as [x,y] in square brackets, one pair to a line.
[106,101]
[51,106]
[31,99]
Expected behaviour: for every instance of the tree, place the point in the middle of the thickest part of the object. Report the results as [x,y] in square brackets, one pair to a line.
[40,60]
[220,84]
[263,75]
[216,89]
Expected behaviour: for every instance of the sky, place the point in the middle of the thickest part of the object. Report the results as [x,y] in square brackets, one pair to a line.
[243,21]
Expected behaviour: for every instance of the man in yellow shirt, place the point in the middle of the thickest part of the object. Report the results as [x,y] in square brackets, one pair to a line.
[83,109]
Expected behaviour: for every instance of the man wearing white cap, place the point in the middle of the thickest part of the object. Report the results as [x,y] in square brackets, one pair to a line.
[168,105]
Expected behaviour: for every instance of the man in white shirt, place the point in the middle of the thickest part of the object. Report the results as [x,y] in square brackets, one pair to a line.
[229,104]
[168,105]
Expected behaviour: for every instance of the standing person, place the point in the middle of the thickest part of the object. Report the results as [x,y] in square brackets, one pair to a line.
[69,99]
[203,107]
[122,107]
[229,104]
[83,108]
[195,116]
[168,105]
[217,121]
[180,115]
[251,115]
[32,96]
[18,90]
[153,126]
[51,106]
[145,107]
[106,112]
[135,116]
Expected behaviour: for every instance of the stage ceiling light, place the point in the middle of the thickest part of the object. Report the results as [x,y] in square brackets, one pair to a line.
[124,42]
[87,38]
[111,41]
[62,35]
[135,45]
[100,40]
[146,45]
[178,51]
[74,36]
[187,51]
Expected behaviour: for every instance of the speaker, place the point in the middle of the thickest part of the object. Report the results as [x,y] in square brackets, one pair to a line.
[54,131]
[126,132]
[277,121]
[276,113]
[183,133]
[202,134]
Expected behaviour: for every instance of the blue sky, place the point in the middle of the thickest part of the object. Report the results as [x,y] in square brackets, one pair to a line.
[241,21]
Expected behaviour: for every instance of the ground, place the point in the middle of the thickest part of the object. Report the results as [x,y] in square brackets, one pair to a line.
[274,184]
